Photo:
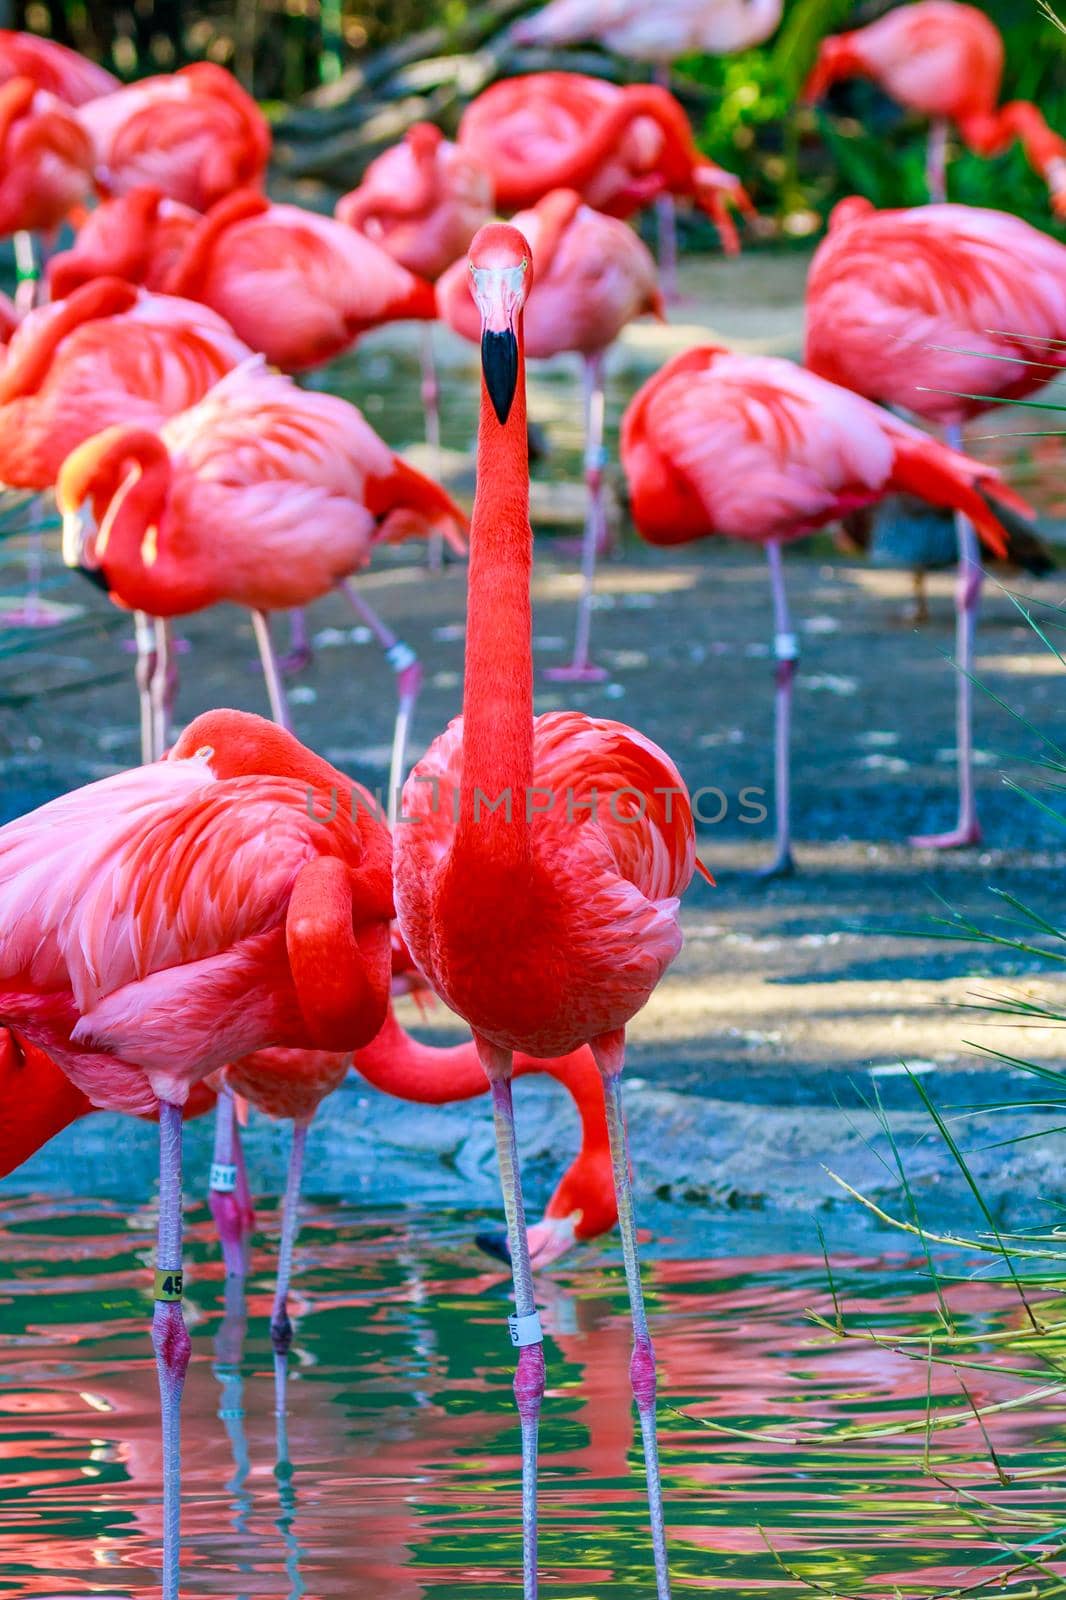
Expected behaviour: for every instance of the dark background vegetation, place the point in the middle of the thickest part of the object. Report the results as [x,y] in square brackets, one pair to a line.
[743,107]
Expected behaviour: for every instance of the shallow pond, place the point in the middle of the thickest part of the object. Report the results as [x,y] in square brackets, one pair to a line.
[399,1474]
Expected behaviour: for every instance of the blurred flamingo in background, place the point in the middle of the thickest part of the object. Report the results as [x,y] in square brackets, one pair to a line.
[593,276]
[46,165]
[62,72]
[9,317]
[619,148]
[758,449]
[658,31]
[944,311]
[138,236]
[544,930]
[163,921]
[422,201]
[195,134]
[108,354]
[262,494]
[945,61]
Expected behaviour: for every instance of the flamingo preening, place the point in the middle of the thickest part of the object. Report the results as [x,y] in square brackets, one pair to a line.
[945,311]
[140,963]
[543,916]
[263,494]
[593,277]
[758,449]
[944,60]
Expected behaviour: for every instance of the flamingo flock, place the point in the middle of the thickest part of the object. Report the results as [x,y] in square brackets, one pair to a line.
[226,924]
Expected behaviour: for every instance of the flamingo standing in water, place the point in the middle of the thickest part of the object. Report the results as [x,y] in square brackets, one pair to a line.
[262,494]
[944,311]
[422,201]
[593,276]
[658,31]
[756,448]
[619,148]
[162,922]
[108,354]
[542,916]
[195,134]
[945,61]
[46,168]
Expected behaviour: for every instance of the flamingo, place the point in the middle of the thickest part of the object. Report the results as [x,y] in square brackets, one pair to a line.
[945,311]
[422,201]
[658,31]
[195,134]
[46,166]
[62,72]
[757,448]
[945,61]
[108,354]
[262,494]
[244,259]
[159,923]
[9,319]
[593,276]
[545,927]
[619,148]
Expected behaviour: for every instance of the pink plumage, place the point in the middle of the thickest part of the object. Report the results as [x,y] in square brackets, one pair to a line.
[931,307]
[653,30]
[46,159]
[138,236]
[194,134]
[422,201]
[62,72]
[110,354]
[593,275]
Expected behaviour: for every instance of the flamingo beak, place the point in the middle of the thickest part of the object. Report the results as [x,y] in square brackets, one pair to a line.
[548,1240]
[499,292]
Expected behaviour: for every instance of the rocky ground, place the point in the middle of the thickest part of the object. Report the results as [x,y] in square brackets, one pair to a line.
[794,1002]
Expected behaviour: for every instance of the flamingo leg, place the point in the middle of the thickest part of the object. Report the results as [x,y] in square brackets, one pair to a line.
[170,1337]
[666,217]
[967,603]
[280,1326]
[525,1325]
[936,161]
[408,670]
[163,687]
[229,1351]
[223,1197]
[786,653]
[609,1051]
[299,653]
[144,671]
[279,705]
[27,272]
[431,406]
[581,669]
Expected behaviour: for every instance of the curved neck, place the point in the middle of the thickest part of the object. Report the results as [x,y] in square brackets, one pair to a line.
[189,271]
[28,363]
[577,166]
[497,742]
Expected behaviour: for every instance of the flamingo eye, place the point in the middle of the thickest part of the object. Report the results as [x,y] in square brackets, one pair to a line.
[205,752]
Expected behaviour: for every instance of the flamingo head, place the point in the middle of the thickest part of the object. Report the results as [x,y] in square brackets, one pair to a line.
[124,474]
[582,1208]
[501,273]
[239,744]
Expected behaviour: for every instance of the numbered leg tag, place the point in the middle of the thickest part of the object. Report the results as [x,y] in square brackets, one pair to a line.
[525,1330]
[223,1177]
[400,656]
[168,1286]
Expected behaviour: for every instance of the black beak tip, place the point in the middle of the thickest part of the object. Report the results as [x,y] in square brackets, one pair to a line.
[499,363]
[95,576]
[495,1245]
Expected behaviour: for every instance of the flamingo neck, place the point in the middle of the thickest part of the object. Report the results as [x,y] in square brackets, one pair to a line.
[497,741]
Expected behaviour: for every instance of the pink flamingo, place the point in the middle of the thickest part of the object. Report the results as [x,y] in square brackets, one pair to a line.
[62,72]
[658,31]
[593,276]
[195,134]
[138,236]
[262,494]
[9,318]
[944,311]
[46,166]
[422,201]
[164,921]
[757,448]
[545,926]
[945,61]
[108,354]
[619,148]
